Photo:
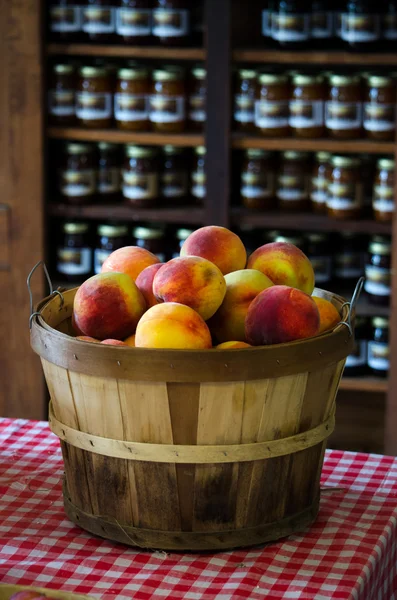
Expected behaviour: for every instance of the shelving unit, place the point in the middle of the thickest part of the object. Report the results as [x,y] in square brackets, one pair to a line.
[316,57]
[196,216]
[125,137]
[349,146]
[123,51]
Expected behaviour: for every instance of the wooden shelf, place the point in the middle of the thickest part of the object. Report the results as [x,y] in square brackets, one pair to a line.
[364,384]
[126,137]
[125,51]
[330,57]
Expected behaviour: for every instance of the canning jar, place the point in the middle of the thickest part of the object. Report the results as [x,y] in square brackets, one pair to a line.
[77,177]
[244,100]
[181,236]
[380,108]
[258,180]
[345,188]
[167,104]
[306,106]
[290,23]
[272,105]
[74,253]
[140,176]
[197,113]
[389,22]
[198,176]
[94,97]
[322,21]
[134,21]
[99,20]
[61,95]
[357,361]
[152,239]
[319,182]
[65,20]
[319,252]
[174,178]
[109,172]
[350,255]
[293,181]
[131,100]
[109,239]
[344,107]
[383,190]
[171,21]
[266,18]
[378,271]
[360,24]
[378,347]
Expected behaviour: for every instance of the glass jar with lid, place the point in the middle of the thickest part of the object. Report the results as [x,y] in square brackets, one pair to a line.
[360,24]
[306,106]
[77,177]
[74,253]
[357,361]
[198,187]
[345,188]
[140,176]
[151,238]
[290,24]
[109,238]
[131,100]
[350,255]
[380,108]
[293,181]
[319,182]
[272,105]
[65,20]
[99,20]
[167,103]
[378,271]
[383,191]
[244,100]
[109,172]
[319,252]
[181,236]
[344,107]
[258,180]
[174,177]
[61,95]
[134,21]
[378,347]
[322,22]
[94,98]
[171,21]
[197,114]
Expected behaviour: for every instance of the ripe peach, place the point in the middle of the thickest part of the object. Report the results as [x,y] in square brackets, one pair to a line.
[232,345]
[228,323]
[219,245]
[284,264]
[130,260]
[87,338]
[329,316]
[281,314]
[111,342]
[108,305]
[130,341]
[172,325]
[193,281]
[144,283]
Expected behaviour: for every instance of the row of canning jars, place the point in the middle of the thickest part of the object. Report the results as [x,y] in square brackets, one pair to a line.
[309,106]
[127,21]
[353,24]
[140,175]
[135,100]
[345,187]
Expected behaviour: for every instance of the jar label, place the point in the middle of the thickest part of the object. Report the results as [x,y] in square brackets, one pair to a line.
[257,185]
[292,187]
[65,19]
[360,27]
[174,185]
[99,258]
[271,114]
[133,21]
[383,205]
[198,189]
[109,180]
[197,108]
[93,105]
[383,192]
[389,27]
[378,356]
[266,30]
[343,115]
[74,261]
[379,117]
[322,24]
[77,183]
[131,107]
[349,265]
[166,109]
[140,186]
[344,196]
[304,114]
[358,357]
[319,191]
[61,103]
[244,108]
[322,266]
[169,22]
[290,27]
[377,281]
[98,19]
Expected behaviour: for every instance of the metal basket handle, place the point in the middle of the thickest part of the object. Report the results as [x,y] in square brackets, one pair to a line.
[52,291]
[352,304]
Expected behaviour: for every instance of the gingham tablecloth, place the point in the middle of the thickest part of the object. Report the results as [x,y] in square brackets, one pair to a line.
[349,553]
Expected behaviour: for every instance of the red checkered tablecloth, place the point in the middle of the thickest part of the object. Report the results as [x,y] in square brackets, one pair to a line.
[349,553]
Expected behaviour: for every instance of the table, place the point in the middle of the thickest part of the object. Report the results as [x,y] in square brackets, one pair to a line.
[349,553]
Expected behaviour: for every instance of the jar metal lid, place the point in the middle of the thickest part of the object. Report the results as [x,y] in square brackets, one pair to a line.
[344,79]
[64,69]
[132,73]
[147,233]
[169,150]
[303,79]
[93,71]
[167,74]
[380,81]
[112,230]
[76,148]
[386,163]
[247,73]
[345,161]
[75,227]
[272,78]
[139,151]
[381,322]
[294,155]
[107,146]
[323,156]
[200,150]
[183,233]
[199,72]
[257,153]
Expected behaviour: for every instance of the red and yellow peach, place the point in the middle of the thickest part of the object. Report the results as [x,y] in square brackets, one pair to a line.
[144,283]
[130,260]
[218,245]
[329,316]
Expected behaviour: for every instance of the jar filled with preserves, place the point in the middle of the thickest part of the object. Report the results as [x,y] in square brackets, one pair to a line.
[94,97]
[380,108]
[167,104]
[290,23]
[258,180]
[65,20]
[345,197]
[109,239]
[378,347]
[109,172]
[318,250]
[322,21]
[174,178]
[378,271]
[134,21]
[293,181]
[140,176]
[357,361]
[181,236]
[306,106]
[74,253]
[344,107]
[99,20]
[389,22]
[61,95]
[171,21]
[197,114]
[77,177]
[244,100]
[319,182]
[350,258]
[152,239]
[359,26]
[383,191]
[272,105]
[199,177]
[131,100]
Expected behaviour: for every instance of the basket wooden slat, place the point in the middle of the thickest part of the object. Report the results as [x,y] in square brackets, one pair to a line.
[7,590]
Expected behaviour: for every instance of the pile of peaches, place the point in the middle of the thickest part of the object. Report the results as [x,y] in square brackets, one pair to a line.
[210,296]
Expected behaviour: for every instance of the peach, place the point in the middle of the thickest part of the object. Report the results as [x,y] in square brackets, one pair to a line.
[111,342]
[284,264]
[193,281]
[87,338]
[130,341]
[228,323]
[172,325]
[130,260]
[281,314]
[75,328]
[232,345]
[218,245]
[108,305]
[144,283]
[329,316]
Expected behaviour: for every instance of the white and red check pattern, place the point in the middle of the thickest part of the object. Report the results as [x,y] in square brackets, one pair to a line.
[349,553]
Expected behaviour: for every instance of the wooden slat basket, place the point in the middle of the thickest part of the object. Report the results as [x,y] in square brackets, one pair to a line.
[190,450]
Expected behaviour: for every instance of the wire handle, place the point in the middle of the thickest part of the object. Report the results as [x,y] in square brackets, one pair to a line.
[352,304]
[52,291]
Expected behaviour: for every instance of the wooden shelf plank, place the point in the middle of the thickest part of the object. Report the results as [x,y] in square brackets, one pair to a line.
[125,51]
[364,384]
[330,57]
[126,137]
